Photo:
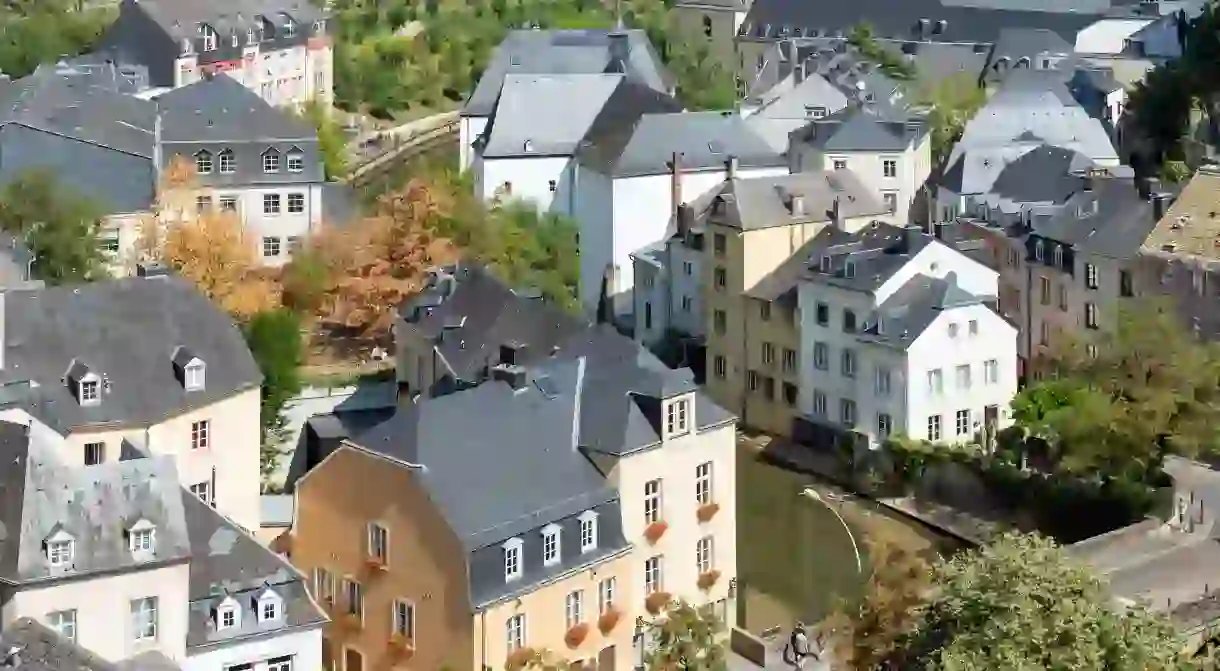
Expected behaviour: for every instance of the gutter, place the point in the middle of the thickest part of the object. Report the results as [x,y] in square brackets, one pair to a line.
[207,647]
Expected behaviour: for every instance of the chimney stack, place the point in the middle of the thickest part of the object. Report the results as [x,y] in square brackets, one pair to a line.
[911,233]
[836,217]
[685,215]
[619,49]
[730,168]
[1158,206]
[675,183]
[796,204]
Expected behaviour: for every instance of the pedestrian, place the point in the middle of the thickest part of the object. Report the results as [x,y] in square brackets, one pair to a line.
[797,649]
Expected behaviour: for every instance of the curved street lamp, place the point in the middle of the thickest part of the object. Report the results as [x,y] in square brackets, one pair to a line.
[813,495]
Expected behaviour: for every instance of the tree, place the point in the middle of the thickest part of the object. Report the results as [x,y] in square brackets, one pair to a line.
[900,581]
[332,144]
[1160,105]
[687,638]
[953,101]
[1018,603]
[274,339]
[866,45]
[42,31]
[57,226]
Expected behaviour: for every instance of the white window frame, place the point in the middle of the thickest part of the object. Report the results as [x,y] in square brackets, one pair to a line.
[402,618]
[323,584]
[90,392]
[963,373]
[63,622]
[885,425]
[883,383]
[295,203]
[296,161]
[654,574]
[61,551]
[574,608]
[201,434]
[962,420]
[271,246]
[551,550]
[652,501]
[193,376]
[703,483]
[935,428]
[203,491]
[142,540]
[271,161]
[272,206]
[515,633]
[512,559]
[1090,276]
[991,371]
[677,417]
[377,541]
[144,623]
[588,531]
[353,597]
[228,616]
[280,663]
[886,165]
[607,590]
[99,448]
[270,601]
[936,381]
[203,162]
[705,554]
[228,162]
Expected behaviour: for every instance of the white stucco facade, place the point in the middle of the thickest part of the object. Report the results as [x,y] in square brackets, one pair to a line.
[896,177]
[469,128]
[291,76]
[302,646]
[544,181]
[667,294]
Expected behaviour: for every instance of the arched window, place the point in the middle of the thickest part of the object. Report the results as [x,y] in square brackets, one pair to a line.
[203,162]
[707,26]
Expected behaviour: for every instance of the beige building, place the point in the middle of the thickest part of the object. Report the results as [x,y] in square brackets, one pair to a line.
[754,231]
[593,489]
[138,366]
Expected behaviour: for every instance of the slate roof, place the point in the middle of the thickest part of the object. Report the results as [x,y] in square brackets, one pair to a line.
[221,109]
[1191,225]
[470,314]
[43,649]
[875,252]
[873,128]
[564,52]
[226,561]
[1111,220]
[764,202]
[176,16]
[914,307]
[125,331]
[705,140]
[323,434]
[95,505]
[966,20]
[1043,175]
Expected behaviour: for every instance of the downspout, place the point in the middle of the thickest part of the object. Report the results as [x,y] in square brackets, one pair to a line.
[675,195]
[1029,321]
[482,641]
[743,302]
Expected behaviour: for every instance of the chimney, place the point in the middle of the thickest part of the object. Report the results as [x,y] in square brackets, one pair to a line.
[685,215]
[514,375]
[1087,182]
[796,204]
[730,168]
[836,217]
[911,233]
[619,48]
[157,144]
[675,183]
[1158,206]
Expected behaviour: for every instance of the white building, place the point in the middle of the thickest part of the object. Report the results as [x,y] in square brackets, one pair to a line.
[668,292]
[899,336]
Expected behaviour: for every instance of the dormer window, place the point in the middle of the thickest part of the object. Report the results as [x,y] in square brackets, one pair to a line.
[235,39]
[677,417]
[187,47]
[86,385]
[228,162]
[271,161]
[270,606]
[89,392]
[512,559]
[61,549]
[550,545]
[588,531]
[208,37]
[825,264]
[849,269]
[251,36]
[1039,250]
[296,161]
[189,369]
[203,162]
[141,538]
[290,26]
[228,614]
[1057,256]
[194,376]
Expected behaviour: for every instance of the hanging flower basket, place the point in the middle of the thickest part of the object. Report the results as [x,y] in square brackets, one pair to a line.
[576,635]
[608,620]
[707,511]
[706,580]
[654,531]
[517,659]
[401,646]
[657,601]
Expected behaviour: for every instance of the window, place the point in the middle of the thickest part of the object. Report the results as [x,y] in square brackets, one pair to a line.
[819,403]
[1090,315]
[588,531]
[1063,297]
[652,575]
[144,619]
[1045,333]
[882,382]
[64,623]
[703,483]
[991,371]
[885,424]
[719,243]
[516,632]
[1091,350]
[228,203]
[141,540]
[109,244]
[963,422]
[574,608]
[203,163]
[934,427]
[707,26]
[199,434]
[847,412]
[889,167]
[704,555]
[935,381]
[61,552]
[323,585]
[720,276]
[652,501]
[821,356]
[768,353]
[550,545]
[677,418]
[296,162]
[194,376]
[271,203]
[952,329]
[1039,250]
[228,162]
[848,363]
[963,376]
[891,201]
[822,314]
[279,664]
[720,321]
[974,327]
[353,593]
[686,303]
[789,363]
[209,37]
[271,161]
[296,203]
[378,542]
[764,311]
[840,164]
[204,491]
[1126,288]
[688,268]
[512,559]
[719,366]
[1044,286]
[1057,257]
[849,321]
[790,393]
[1090,276]
[88,391]
[227,618]
[605,595]
[95,453]
[404,619]
[849,269]
[271,246]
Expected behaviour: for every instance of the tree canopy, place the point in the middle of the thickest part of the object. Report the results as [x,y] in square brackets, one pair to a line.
[953,101]
[1018,603]
[274,338]
[59,228]
[33,32]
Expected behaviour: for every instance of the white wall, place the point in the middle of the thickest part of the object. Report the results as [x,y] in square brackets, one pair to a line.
[1108,36]
[686,284]
[530,179]
[305,647]
[103,610]
[469,128]
[913,169]
[651,299]
[291,76]
[284,225]
[938,260]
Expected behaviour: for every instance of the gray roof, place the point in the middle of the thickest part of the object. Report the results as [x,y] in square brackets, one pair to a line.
[1110,220]
[914,306]
[179,17]
[866,259]
[546,115]
[764,202]
[43,649]
[873,128]
[825,62]
[1046,174]
[221,109]
[228,562]
[95,505]
[935,61]
[471,315]
[706,140]
[323,434]
[564,52]
[126,332]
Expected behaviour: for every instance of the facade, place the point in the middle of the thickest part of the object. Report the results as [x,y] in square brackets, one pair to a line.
[603,488]
[902,338]
[278,49]
[751,230]
[557,53]
[117,557]
[134,366]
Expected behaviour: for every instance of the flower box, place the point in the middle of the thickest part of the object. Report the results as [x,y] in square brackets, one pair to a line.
[706,580]
[401,645]
[576,635]
[374,563]
[707,511]
[657,601]
[517,659]
[608,620]
[352,621]
[655,530]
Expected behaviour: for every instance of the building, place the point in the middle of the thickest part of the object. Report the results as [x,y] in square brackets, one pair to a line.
[751,228]
[884,145]
[558,53]
[138,365]
[627,192]
[712,24]
[594,487]
[279,48]
[249,159]
[527,149]
[465,323]
[902,338]
[30,645]
[120,559]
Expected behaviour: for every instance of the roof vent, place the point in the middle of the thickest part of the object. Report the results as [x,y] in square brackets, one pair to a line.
[528,145]
[1170,247]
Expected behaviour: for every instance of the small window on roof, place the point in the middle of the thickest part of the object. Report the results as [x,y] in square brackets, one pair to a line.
[270,606]
[227,614]
[142,538]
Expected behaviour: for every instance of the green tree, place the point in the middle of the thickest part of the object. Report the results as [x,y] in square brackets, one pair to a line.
[1018,603]
[32,33]
[688,638]
[332,143]
[953,101]
[866,45]
[275,342]
[888,610]
[1159,108]
[59,227]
